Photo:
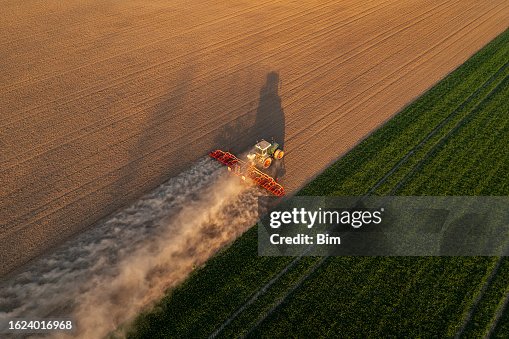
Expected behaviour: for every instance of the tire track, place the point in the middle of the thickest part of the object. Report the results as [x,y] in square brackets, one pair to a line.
[420,274]
[444,122]
[450,133]
[301,280]
[502,307]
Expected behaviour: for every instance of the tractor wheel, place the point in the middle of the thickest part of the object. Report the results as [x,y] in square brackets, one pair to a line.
[267,162]
[278,154]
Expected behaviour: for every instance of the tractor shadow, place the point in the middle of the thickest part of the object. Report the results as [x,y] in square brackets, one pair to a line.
[266,122]
[270,120]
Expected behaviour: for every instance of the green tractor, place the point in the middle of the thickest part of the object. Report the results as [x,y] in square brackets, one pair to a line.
[263,154]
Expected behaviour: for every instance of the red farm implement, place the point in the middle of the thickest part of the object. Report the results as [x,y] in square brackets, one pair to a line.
[248,171]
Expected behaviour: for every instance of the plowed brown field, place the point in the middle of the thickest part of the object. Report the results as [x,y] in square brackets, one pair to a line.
[103,100]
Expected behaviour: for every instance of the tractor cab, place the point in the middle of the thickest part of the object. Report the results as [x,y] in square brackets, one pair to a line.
[264,153]
[262,148]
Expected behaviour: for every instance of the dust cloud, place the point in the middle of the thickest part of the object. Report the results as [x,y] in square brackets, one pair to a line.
[105,276]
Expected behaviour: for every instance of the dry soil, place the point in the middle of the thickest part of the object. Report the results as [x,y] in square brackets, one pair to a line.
[103,100]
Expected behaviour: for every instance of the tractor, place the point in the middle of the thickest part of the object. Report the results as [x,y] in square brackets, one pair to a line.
[261,157]
[264,153]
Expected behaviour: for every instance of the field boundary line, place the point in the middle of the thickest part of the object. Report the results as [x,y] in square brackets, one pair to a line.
[334,120]
[439,126]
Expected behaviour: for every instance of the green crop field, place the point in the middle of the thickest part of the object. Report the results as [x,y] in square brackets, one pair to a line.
[454,140]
